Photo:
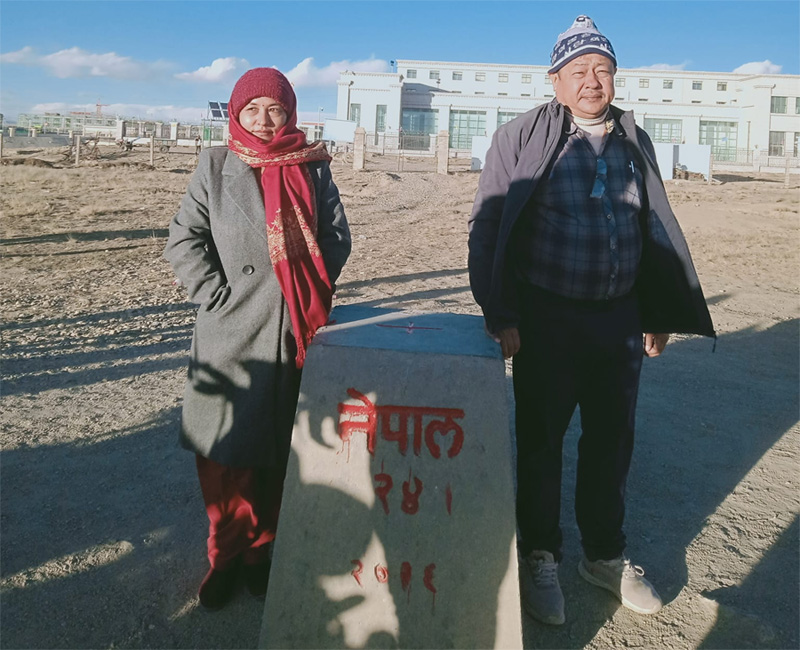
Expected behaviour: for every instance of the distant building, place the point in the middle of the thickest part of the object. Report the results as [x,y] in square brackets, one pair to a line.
[734,113]
[131,128]
[313,130]
[74,121]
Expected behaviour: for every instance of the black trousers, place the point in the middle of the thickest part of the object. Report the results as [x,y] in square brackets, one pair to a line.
[586,353]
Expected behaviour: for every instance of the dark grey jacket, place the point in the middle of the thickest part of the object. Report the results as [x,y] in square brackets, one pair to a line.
[669,292]
[241,392]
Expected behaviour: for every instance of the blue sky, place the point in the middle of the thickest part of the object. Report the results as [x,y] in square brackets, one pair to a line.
[168,59]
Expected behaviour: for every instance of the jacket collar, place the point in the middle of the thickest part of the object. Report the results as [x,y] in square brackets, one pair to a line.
[241,184]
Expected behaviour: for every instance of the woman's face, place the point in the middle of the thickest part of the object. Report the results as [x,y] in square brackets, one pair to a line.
[262,117]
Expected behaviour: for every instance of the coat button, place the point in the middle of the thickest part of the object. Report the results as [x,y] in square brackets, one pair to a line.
[248,270]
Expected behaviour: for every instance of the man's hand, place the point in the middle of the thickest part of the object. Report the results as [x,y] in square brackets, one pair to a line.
[509,341]
[654,344]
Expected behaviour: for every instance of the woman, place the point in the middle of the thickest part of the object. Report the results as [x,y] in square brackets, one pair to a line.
[259,240]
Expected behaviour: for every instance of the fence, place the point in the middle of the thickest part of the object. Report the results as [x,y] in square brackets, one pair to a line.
[755,160]
[418,152]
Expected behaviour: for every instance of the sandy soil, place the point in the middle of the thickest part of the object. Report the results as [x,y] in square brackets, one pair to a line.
[103,528]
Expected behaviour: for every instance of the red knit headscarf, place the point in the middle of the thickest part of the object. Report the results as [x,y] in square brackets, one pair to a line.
[289,201]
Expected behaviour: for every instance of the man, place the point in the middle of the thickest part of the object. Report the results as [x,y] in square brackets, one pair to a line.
[581,269]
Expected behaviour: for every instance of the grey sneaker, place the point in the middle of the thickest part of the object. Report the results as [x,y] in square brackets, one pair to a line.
[624,580]
[541,593]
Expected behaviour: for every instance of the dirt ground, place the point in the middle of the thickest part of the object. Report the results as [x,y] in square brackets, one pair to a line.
[103,527]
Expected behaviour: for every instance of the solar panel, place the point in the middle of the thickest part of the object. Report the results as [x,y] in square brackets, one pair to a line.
[219,110]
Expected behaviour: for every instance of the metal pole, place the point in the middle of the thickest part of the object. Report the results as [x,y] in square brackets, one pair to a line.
[710,167]
[786,177]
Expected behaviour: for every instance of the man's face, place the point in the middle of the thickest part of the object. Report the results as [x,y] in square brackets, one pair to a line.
[586,85]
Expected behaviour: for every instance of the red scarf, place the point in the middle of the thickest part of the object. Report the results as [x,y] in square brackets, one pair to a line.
[290,208]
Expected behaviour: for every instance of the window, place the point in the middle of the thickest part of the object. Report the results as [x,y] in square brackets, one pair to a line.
[547,80]
[526,94]
[721,103]
[796,144]
[502,94]
[778,105]
[380,118]
[697,85]
[663,130]
[355,114]
[502,77]
[504,116]
[797,105]
[479,92]
[480,76]
[667,83]
[644,83]
[666,100]
[464,125]
[433,74]
[643,99]
[411,74]
[777,141]
[457,76]
[619,82]
[419,120]
[722,138]
[526,78]
[695,101]
[418,124]
[722,85]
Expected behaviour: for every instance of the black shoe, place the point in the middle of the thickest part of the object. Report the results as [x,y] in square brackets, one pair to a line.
[256,578]
[217,587]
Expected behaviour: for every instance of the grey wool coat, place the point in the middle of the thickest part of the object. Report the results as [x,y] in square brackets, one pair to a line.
[242,386]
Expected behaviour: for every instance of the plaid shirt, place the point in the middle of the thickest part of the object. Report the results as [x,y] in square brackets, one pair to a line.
[579,233]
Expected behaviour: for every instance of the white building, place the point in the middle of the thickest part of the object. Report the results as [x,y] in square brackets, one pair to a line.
[737,114]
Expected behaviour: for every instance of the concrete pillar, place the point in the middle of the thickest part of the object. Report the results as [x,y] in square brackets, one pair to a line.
[119,129]
[152,149]
[442,152]
[77,150]
[173,130]
[397,525]
[360,148]
[12,131]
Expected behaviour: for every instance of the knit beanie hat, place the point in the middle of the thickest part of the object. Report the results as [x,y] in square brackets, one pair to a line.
[582,38]
[262,82]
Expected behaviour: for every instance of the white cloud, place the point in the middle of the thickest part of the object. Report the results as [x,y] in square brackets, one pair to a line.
[76,62]
[759,67]
[163,113]
[25,55]
[220,70]
[307,74]
[666,66]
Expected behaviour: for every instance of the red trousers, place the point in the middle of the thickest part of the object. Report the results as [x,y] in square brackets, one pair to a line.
[242,506]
